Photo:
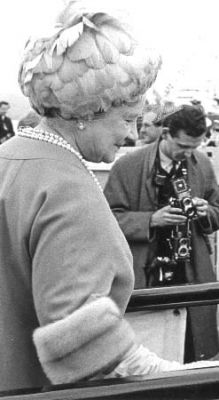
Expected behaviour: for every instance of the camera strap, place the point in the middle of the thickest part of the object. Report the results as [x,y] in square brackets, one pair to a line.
[173,242]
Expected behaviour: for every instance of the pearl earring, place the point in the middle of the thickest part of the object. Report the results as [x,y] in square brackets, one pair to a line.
[80,125]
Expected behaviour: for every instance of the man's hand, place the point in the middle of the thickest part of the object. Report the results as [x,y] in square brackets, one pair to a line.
[167,216]
[201,206]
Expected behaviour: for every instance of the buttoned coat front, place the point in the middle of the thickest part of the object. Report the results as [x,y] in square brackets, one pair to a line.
[132,196]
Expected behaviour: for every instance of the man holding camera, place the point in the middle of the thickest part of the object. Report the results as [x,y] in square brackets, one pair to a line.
[166,199]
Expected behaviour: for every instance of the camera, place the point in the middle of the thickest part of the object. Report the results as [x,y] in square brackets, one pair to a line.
[165,268]
[161,272]
[183,198]
[183,251]
[179,243]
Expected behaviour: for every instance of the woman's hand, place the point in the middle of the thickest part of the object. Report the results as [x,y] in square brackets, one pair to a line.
[142,362]
[167,216]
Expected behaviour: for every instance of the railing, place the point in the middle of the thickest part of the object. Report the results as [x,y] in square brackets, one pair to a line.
[173,296]
[199,384]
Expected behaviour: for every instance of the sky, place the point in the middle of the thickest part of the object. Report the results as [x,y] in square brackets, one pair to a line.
[184,32]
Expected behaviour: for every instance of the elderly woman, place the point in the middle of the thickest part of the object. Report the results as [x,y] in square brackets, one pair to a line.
[65,267]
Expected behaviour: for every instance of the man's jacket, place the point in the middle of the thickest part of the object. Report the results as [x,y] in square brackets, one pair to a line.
[133,198]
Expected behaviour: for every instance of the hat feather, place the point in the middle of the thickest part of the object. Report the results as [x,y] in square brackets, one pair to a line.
[86,63]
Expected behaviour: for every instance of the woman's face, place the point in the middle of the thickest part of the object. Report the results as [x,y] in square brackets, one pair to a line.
[103,137]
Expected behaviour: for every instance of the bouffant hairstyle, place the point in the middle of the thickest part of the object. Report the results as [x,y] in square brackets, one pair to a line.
[88,63]
[189,118]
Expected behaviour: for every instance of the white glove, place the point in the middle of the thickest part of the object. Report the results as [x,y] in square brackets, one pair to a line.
[140,361]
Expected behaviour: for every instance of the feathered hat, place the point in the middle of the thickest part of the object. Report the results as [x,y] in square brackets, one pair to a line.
[88,63]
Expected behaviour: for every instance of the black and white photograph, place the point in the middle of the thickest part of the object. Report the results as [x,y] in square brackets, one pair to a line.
[109,200]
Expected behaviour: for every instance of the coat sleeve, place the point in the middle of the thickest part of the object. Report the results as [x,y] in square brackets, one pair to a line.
[75,260]
[210,223]
[122,192]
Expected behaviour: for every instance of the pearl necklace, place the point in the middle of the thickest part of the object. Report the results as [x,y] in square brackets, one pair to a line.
[57,140]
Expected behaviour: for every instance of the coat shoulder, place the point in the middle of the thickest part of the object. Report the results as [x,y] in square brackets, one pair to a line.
[131,159]
[203,160]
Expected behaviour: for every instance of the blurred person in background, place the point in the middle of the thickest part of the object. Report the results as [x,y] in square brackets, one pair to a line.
[212,135]
[6,125]
[150,124]
[198,103]
[148,132]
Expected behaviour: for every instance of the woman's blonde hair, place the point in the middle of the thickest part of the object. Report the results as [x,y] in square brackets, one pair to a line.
[89,63]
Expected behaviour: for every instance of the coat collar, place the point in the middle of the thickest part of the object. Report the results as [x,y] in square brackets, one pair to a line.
[19,148]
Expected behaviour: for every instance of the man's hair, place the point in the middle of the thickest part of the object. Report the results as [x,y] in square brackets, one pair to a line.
[191,119]
[4,103]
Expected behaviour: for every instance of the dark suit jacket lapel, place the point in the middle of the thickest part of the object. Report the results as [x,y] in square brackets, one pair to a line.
[149,169]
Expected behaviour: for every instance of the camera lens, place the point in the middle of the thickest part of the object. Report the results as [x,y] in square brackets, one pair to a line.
[183,251]
[188,207]
[187,202]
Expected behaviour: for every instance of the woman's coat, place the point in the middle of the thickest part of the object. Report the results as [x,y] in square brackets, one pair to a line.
[65,270]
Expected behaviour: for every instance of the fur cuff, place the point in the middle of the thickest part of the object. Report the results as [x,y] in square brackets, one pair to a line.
[83,343]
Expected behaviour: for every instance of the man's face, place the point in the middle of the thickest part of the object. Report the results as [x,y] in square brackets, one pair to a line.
[148,132]
[181,146]
[4,109]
